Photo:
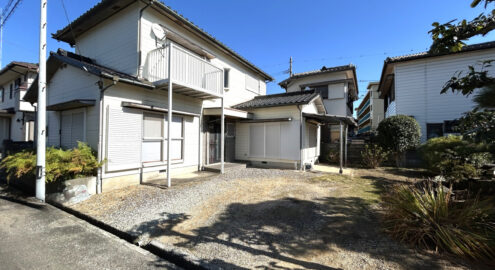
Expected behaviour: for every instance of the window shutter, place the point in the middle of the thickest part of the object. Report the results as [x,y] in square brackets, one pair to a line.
[257,140]
[77,129]
[124,138]
[272,140]
[65,130]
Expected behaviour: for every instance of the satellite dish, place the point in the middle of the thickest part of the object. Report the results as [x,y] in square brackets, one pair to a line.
[158,31]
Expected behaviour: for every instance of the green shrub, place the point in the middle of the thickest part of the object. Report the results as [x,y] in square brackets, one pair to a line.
[398,134]
[453,157]
[373,155]
[478,127]
[429,218]
[60,164]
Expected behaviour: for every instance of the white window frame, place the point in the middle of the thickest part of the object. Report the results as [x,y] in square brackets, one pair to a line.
[226,74]
[163,139]
[160,139]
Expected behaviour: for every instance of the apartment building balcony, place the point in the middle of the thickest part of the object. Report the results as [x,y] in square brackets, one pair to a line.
[364,129]
[364,108]
[190,75]
[364,118]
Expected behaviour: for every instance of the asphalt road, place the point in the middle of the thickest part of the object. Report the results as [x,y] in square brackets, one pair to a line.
[36,236]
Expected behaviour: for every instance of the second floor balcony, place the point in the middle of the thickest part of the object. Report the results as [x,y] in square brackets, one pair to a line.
[190,74]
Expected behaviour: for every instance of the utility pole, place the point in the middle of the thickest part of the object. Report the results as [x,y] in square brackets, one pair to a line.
[41,115]
[290,67]
[1,36]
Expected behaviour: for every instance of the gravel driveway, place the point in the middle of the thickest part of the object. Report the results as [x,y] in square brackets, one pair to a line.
[265,218]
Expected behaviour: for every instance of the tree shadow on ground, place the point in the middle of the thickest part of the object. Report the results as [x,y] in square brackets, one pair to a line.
[409,173]
[289,230]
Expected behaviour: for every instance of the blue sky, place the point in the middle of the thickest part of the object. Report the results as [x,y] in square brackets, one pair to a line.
[267,32]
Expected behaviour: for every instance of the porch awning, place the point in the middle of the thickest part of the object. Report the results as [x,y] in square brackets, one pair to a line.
[267,120]
[73,104]
[7,112]
[228,112]
[331,119]
[155,108]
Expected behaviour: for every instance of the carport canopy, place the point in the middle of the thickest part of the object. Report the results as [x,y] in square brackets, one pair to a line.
[335,120]
[331,119]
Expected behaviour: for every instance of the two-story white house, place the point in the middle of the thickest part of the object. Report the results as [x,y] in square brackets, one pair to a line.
[370,110]
[338,88]
[411,85]
[16,115]
[137,61]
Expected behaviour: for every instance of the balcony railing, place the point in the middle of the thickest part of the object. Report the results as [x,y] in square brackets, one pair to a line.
[364,107]
[365,129]
[188,71]
[364,118]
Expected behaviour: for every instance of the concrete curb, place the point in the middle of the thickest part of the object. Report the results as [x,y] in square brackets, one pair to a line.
[166,252]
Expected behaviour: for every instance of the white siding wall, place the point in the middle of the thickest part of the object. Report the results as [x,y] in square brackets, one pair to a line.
[237,92]
[311,143]
[376,107]
[23,105]
[17,128]
[114,97]
[67,84]
[113,43]
[391,109]
[418,85]
[336,103]
[289,134]
[295,85]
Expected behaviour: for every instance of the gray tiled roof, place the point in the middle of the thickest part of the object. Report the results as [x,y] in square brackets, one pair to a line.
[106,8]
[323,70]
[292,98]
[467,48]
[90,65]
[13,64]
[84,63]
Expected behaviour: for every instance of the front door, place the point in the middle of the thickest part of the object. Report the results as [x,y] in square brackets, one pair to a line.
[214,138]
[213,142]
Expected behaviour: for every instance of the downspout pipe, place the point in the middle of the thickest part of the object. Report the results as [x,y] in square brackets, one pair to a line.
[301,149]
[140,60]
[99,178]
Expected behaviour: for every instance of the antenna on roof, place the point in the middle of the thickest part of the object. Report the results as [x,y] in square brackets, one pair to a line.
[289,71]
[290,67]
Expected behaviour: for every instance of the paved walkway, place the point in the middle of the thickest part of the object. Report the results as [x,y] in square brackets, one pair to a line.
[35,236]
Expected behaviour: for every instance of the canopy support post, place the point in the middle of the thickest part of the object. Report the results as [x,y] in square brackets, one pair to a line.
[341,156]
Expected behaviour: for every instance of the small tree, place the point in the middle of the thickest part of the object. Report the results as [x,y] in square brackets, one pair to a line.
[373,155]
[398,134]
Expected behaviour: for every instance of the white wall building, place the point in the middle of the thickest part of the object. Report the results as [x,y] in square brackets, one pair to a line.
[411,85]
[338,88]
[16,115]
[113,94]
[370,110]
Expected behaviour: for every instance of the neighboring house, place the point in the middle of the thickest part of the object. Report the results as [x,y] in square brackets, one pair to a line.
[370,110]
[284,130]
[338,88]
[16,116]
[411,85]
[113,94]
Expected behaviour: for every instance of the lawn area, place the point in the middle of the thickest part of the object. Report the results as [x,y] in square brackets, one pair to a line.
[269,219]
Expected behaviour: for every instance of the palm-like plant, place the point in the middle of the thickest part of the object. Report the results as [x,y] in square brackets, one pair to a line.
[429,218]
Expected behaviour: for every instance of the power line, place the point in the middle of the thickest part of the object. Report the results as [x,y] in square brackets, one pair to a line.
[78,51]
[342,57]
[16,4]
